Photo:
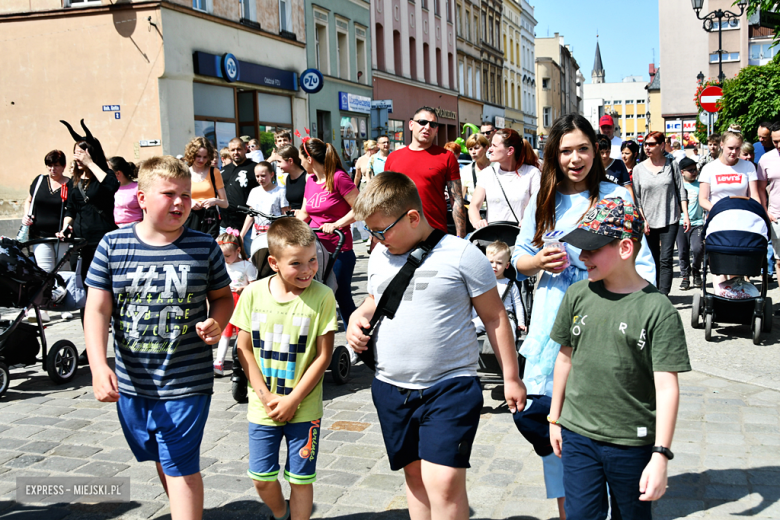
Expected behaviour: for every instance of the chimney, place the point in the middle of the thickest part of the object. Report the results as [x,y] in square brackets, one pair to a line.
[652,70]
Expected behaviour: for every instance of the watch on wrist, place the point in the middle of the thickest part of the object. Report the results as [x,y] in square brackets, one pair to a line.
[666,452]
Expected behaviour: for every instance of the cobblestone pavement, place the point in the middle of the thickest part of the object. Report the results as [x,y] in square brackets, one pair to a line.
[727,445]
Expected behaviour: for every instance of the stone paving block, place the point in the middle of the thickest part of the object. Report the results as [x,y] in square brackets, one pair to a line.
[119,455]
[219,416]
[52,434]
[685,425]
[760,429]
[20,408]
[9,418]
[38,447]
[344,436]
[215,498]
[60,464]
[336,478]
[727,450]
[103,427]
[235,468]
[84,438]
[140,472]
[367,500]
[732,439]
[358,450]
[24,461]
[719,462]
[678,508]
[506,465]
[344,405]
[78,452]
[233,484]
[371,417]
[354,464]
[501,480]
[141,491]
[74,424]
[11,444]
[721,418]
[390,483]
[724,428]
[24,431]
[528,509]
[91,403]
[324,494]
[86,413]
[345,415]
[102,469]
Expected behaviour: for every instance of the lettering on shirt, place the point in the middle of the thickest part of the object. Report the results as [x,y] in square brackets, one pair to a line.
[642,339]
[729,178]
[317,200]
[622,328]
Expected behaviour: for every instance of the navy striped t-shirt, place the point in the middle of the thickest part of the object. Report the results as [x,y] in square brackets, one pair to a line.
[160,294]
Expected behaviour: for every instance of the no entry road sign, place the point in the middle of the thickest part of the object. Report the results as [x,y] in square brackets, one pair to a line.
[709,98]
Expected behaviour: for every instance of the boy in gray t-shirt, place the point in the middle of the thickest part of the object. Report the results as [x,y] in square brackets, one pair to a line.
[426,391]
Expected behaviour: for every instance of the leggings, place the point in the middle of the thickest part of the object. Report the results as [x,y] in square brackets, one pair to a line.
[343,269]
[231,329]
[661,242]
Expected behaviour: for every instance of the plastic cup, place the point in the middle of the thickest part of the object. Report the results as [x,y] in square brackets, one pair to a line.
[552,240]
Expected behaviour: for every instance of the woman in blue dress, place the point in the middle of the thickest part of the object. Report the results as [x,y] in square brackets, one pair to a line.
[573,180]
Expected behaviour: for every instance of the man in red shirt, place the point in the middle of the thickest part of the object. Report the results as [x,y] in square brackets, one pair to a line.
[432,168]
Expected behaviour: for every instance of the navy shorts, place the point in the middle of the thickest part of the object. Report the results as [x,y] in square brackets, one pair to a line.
[168,431]
[436,424]
[303,440]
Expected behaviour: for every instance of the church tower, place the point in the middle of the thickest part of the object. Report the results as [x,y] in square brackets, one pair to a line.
[598,67]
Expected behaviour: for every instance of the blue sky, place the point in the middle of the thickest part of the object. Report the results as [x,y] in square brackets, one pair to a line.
[628,33]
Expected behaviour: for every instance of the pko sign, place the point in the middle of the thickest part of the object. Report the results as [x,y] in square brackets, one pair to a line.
[354,103]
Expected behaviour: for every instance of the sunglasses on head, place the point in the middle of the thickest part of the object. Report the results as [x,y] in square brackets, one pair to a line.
[380,235]
[423,122]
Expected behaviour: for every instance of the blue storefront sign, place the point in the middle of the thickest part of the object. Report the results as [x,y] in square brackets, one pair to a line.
[354,103]
[229,68]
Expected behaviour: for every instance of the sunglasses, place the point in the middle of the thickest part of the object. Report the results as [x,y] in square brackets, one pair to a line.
[650,143]
[423,122]
[380,235]
[487,132]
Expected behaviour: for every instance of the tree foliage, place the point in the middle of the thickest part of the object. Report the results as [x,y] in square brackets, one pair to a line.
[751,97]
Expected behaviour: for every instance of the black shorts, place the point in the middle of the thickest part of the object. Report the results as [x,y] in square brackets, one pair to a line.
[436,424]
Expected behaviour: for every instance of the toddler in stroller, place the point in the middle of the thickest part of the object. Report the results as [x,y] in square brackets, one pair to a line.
[25,286]
[736,235]
[341,362]
[517,296]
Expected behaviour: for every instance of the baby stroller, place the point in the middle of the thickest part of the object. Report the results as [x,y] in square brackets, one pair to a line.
[489,369]
[25,286]
[341,363]
[735,240]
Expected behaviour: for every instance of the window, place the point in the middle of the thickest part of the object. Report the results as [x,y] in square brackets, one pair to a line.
[398,61]
[426,63]
[413,57]
[490,30]
[321,47]
[200,5]
[436,7]
[727,56]
[458,26]
[247,10]
[470,83]
[395,130]
[629,102]
[629,116]
[547,117]
[545,83]
[424,4]
[728,25]
[448,10]
[342,55]
[467,28]
[762,51]
[380,47]
[479,85]
[462,79]
[476,28]
[484,27]
[285,15]
[362,55]
[617,102]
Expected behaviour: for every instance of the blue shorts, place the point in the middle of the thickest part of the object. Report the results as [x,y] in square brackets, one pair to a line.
[436,424]
[302,448]
[168,431]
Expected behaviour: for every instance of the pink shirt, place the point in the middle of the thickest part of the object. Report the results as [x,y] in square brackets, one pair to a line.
[324,207]
[769,170]
[126,208]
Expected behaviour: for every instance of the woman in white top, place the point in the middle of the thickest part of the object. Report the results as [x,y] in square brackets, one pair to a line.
[508,184]
[728,175]
[477,145]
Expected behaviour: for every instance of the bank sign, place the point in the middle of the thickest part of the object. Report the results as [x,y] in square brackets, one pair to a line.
[354,103]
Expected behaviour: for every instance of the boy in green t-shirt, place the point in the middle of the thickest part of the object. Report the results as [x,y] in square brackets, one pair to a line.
[615,393]
[287,322]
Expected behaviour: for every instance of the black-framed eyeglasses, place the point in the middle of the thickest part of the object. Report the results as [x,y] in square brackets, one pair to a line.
[380,235]
[423,122]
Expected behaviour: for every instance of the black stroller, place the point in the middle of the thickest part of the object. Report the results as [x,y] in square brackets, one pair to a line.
[341,363]
[25,286]
[736,235]
[489,368]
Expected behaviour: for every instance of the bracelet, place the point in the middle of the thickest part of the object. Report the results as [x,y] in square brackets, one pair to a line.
[551,421]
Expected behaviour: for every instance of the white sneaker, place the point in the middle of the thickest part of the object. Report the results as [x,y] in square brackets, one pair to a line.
[353,357]
[58,294]
[219,369]
[66,315]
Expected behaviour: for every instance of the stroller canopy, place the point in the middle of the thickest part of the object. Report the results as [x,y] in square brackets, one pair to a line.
[737,226]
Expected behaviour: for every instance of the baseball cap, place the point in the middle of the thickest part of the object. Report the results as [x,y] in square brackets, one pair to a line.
[532,423]
[606,120]
[610,219]
[245,138]
[687,162]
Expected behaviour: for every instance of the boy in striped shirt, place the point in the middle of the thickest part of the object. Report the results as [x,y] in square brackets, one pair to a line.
[167,290]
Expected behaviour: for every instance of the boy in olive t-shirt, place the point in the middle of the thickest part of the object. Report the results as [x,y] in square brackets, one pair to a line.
[615,393]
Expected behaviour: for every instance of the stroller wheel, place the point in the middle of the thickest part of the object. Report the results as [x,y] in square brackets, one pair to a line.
[696,311]
[757,330]
[239,391]
[5,378]
[340,365]
[708,327]
[62,362]
[768,315]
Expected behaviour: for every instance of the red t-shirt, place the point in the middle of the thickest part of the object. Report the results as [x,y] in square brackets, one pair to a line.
[430,170]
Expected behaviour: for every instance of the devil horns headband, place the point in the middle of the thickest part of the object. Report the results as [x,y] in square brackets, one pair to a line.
[304,139]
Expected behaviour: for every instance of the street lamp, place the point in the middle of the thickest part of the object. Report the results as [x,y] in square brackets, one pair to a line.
[700,78]
[647,120]
[709,22]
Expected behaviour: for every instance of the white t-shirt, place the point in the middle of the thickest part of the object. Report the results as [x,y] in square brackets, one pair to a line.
[519,186]
[269,202]
[727,181]
[616,144]
[256,156]
[241,273]
[432,337]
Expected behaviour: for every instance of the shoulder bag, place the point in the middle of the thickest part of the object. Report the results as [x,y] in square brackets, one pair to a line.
[394,293]
[206,220]
[24,232]
[505,197]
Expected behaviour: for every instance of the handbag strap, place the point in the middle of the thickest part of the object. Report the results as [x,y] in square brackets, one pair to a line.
[505,197]
[394,293]
[35,192]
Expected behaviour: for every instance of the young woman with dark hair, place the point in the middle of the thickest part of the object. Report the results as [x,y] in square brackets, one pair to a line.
[327,205]
[662,200]
[508,184]
[573,181]
[126,208]
[294,178]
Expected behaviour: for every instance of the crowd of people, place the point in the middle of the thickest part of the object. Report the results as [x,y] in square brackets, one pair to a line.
[169,259]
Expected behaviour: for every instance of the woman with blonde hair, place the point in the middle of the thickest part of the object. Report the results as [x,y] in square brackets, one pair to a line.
[327,205]
[208,189]
[362,170]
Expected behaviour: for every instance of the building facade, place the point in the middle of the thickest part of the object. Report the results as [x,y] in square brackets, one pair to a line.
[469,52]
[413,56]
[492,62]
[519,71]
[656,121]
[222,69]
[340,48]
[557,75]
[528,68]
